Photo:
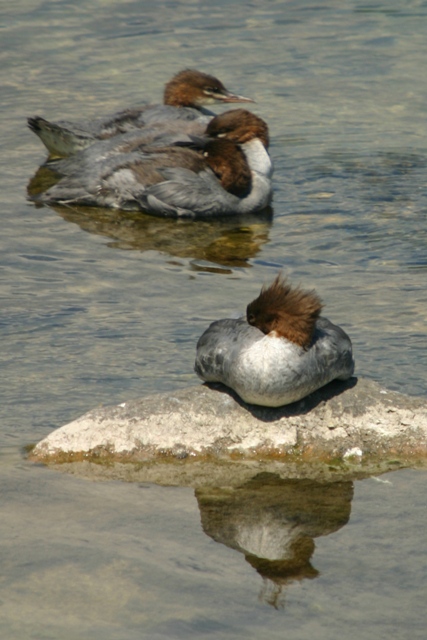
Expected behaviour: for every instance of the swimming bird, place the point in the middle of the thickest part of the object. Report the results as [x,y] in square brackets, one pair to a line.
[237,125]
[222,178]
[185,96]
[280,352]
[250,132]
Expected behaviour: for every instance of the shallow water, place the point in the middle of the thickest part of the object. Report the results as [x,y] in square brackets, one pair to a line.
[100,307]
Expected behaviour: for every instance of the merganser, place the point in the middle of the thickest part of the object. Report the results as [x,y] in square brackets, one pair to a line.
[282,351]
[238,125]
[250,132]
[225,178]
[184,98]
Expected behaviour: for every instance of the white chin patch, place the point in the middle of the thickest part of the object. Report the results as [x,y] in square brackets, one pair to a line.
[208,99]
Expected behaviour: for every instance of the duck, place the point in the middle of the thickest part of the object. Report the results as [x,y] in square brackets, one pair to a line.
[185,98]
[223,175]
[279,352]
[237,125]
[250,132]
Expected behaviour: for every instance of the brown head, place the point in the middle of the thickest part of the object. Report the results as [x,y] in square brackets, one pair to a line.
[229,164]
[192,88]
[289,311]
[240,126]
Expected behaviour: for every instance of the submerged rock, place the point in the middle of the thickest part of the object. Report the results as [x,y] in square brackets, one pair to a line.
[210,427]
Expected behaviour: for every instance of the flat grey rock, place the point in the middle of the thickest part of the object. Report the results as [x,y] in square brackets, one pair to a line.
[208,427]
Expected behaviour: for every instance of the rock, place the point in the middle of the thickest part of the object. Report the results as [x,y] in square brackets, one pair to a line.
[211,435]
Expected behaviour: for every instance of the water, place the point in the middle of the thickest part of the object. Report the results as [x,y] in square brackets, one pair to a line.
[104,307]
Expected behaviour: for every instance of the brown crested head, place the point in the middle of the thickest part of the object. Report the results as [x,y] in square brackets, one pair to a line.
[240,126]
[229,164]
[192,88]
[289,311]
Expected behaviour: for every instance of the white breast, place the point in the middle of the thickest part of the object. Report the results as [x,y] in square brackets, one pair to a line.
[257,157]
[269,368]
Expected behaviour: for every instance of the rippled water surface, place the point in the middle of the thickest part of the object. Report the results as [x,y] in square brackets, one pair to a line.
[98,307]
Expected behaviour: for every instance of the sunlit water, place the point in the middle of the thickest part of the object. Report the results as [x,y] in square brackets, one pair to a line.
[100,307]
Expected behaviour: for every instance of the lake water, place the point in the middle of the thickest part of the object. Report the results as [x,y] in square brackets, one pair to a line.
[100,307]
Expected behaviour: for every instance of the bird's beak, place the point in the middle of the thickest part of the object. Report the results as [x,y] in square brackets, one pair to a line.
[232,97]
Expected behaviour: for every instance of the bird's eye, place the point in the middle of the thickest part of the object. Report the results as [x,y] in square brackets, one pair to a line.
[251,318]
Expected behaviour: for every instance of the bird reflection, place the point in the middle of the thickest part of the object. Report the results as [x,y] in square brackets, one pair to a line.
[230,242]
[273,523]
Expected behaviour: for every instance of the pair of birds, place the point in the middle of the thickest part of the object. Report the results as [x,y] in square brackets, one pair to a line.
[177,159]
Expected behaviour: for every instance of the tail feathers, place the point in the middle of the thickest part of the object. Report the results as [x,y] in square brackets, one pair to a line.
[40,125]
[60,139]
[36,123]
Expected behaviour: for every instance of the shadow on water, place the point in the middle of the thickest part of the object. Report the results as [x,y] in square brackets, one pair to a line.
[229,242]
[273,523]
[302,407]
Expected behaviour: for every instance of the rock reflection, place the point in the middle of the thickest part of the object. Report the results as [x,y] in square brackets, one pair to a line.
[228,242]
[273,523]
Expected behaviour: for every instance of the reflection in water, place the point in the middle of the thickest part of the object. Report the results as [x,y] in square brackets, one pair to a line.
[230,242]
[42,180]
[273,523]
